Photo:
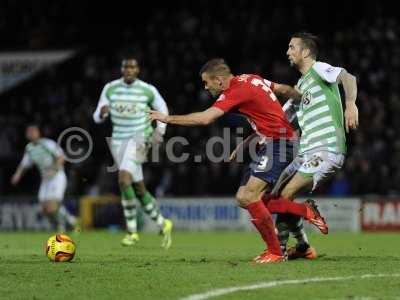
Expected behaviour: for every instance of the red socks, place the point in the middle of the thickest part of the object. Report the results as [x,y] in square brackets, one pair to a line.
[284,206]
[262,220]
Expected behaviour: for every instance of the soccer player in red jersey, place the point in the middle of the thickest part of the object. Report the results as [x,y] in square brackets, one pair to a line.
[254,97]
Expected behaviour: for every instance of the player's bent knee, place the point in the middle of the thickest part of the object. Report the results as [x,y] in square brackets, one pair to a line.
[245,196]
[123,184]
[48,208]
[51,211]
[45,210]
[124,180]
[240,197]
[52,207]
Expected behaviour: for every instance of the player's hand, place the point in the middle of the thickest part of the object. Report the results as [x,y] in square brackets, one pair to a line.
[233,155]
[104,112]
[158,116]
[15,179]
[235,152]
[351,116]
[156,137]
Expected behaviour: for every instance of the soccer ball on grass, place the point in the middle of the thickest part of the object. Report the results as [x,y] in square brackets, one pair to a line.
[60,248]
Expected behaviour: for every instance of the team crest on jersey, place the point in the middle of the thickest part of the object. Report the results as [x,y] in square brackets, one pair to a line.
[307,97]
[124,108]
[330,69]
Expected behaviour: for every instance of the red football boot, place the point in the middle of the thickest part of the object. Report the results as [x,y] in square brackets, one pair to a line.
[267,257]
[294,253]
[314,216]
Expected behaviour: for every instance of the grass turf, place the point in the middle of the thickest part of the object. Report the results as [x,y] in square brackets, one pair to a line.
[196,263]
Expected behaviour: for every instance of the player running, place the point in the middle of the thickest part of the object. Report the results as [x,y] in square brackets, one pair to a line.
[322,143]
[48,157]
[251,96]
[128,100]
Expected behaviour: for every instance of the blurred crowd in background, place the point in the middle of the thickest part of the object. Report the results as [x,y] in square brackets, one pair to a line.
[171,44]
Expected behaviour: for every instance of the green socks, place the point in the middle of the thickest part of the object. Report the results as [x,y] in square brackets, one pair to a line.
[129,208]
[150,207]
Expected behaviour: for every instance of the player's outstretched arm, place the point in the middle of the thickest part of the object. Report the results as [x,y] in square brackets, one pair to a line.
[349,83]
[194,119]
[17,175]
[25,163]
[286,91]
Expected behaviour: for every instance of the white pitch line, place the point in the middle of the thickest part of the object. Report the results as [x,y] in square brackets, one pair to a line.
[271,284]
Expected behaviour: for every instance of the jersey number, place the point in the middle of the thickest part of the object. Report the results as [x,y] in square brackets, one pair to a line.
[265,86]
[263,162]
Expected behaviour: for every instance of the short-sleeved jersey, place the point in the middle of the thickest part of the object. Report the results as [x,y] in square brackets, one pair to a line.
[42,154]
[129,108]
[252,96]
[320,114]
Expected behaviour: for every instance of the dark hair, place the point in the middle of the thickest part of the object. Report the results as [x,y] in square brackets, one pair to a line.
[215,66]
[128,57]
[33,124]
[309,41]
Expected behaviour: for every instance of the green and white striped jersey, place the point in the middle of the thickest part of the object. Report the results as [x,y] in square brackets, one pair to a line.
[320,114]
[43,154]
[129,106]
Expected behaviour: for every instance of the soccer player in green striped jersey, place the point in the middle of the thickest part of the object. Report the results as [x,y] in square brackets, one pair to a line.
[322,142]
[48,157]
[128,100]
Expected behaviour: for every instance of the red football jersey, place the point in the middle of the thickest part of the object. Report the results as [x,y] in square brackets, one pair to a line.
[252,96]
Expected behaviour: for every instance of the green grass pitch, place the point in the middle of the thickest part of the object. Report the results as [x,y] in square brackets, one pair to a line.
[196,263]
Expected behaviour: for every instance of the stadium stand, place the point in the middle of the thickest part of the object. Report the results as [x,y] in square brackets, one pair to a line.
[252,42]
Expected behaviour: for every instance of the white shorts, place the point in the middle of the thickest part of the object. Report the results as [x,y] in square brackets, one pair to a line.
[53,188]
[319,165]
[129,155]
